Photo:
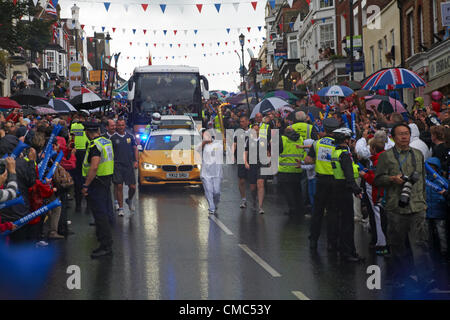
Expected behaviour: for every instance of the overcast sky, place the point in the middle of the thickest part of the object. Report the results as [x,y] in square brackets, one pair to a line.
[210,24]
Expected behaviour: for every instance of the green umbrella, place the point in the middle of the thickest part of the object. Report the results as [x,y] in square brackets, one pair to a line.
[286,95]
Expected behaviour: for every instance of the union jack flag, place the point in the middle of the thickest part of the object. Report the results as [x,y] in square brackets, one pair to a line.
[51,9]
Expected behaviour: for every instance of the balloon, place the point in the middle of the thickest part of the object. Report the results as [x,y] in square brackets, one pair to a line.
[436,95]
[381,92]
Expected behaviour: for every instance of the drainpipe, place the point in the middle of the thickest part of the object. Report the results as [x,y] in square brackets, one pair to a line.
[400,7]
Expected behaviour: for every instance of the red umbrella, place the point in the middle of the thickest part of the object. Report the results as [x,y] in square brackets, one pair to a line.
[7,103]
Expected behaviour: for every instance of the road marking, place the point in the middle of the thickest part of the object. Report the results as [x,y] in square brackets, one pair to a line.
[260,261]
[300,295]
[221,225]
[439,291]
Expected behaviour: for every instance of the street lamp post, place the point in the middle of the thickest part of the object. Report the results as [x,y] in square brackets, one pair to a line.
[242,41]
[255,86]
[116,58]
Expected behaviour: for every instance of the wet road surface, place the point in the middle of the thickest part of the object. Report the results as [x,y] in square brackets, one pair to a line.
[171,249]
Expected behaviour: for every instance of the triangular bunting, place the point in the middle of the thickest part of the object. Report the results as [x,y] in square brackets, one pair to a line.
[195,31]
[236,6]
[181,9]
[154,32]
[126,5]
[290,2]
[154,45]
[131,43]
[107,4]
[228,30]
[144,6]
[165,31]
[291,25]
[272,4]
[114,30]
[179,45]
[163,7]
[175,32]
[217,5]
[254,3]
[218,44]
[185,32]
[35,2]
[123,30]
[134,31]
[103,29]
[145,31]
[199,7]
[82,26]
[248,28]
[259,28]
[195,45]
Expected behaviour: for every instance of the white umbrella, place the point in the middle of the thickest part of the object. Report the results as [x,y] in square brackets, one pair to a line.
[268,104]
[61,106]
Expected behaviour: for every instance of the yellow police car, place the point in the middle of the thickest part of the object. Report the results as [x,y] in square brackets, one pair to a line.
[170,157]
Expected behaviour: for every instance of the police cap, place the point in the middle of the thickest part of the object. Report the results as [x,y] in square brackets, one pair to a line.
[330,124]
[91,126]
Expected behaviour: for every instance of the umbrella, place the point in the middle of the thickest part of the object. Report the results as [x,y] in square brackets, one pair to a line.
[281,94]
[377,100]
[88,100]
[6,103]
[29,82]
[31,97]
[61,106]
[362,93]
[393,78]
[354,85]
[240,97]
[268,104]
[285,111]
[44,110]
[335,91]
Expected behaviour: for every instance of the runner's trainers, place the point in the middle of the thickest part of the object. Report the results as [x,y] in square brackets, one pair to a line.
[210,212]
[120,211]
[261,211]
[243,204]
[42,243]
[130,205]
[116,205]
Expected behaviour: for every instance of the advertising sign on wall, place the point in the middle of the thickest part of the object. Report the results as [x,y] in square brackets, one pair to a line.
[75,78]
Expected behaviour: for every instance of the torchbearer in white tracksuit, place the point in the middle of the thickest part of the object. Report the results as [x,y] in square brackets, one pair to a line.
[211,170]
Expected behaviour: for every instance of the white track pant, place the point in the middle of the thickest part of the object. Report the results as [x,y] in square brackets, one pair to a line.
[211,186]
[381,239]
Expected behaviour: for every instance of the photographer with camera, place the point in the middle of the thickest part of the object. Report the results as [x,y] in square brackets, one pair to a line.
[401,173]
[9,182]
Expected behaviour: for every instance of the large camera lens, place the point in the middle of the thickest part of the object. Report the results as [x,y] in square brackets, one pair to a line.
[2,168]
[405,195]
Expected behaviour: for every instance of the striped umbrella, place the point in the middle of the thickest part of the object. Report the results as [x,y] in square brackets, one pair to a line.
[61,106]
[335,91]
[393,78]
[88,100]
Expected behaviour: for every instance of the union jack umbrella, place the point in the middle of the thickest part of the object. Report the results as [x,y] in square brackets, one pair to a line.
[393,78]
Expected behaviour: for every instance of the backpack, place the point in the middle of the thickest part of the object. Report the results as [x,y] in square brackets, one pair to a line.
[62,179]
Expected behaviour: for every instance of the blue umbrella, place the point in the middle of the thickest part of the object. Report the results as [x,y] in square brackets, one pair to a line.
[335,91]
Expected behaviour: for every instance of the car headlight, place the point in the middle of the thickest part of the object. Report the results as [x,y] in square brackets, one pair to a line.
[149,166]
[199,166]
[138,136]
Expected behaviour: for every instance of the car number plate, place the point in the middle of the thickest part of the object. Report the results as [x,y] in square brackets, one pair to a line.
[177,175]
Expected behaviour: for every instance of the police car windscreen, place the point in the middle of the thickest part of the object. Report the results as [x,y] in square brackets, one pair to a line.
[173,142]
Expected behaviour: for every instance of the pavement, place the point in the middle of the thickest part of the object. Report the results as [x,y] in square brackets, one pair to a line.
[170,248]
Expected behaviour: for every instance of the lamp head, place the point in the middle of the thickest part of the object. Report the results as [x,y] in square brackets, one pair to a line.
[242,39]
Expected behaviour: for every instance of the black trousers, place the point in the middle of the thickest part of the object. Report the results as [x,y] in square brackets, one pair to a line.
[62,224]
[100,203]
[289,184]
[325,186]
[78,179]
[341,220]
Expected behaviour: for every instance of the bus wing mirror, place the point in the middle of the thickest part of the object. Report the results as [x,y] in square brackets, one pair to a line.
[205,87]
[131,88]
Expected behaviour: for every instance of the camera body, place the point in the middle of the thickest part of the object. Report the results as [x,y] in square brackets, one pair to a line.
[405,194]
[2,166]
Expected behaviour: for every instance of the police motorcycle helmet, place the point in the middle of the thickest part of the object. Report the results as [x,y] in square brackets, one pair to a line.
[156,118]
[342,134]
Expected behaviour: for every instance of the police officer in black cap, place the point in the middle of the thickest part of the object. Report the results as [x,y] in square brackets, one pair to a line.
[98,169]
[320,155]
